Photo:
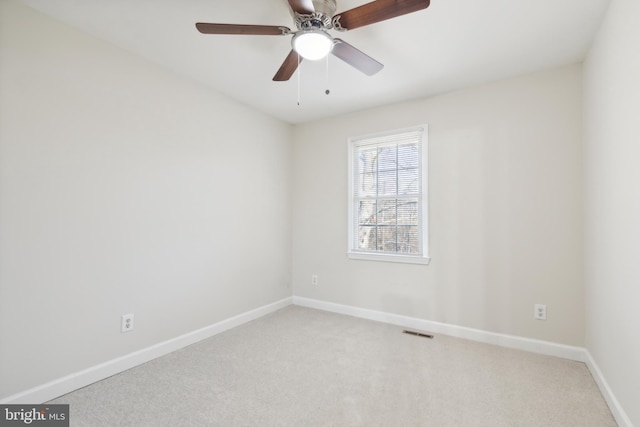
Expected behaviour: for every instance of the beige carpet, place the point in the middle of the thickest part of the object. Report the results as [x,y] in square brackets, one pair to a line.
[304,367]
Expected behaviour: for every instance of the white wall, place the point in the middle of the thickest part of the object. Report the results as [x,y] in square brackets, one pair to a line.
[115,174]
[125,189]
[612,202]
[505,204]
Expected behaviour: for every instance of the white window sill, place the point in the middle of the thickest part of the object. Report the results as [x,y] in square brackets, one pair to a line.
[389,258]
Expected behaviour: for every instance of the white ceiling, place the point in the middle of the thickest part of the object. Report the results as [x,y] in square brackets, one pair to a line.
[450,45]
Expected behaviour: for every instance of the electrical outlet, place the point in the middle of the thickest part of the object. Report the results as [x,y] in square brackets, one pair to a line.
[540,311]
[127,322]
[314,279]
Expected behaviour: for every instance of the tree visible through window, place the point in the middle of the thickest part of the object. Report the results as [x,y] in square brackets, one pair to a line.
[388,191]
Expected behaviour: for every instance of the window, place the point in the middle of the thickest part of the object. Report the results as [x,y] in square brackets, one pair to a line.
[388,196]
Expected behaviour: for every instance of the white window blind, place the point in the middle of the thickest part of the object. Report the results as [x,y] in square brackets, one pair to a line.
[388,206]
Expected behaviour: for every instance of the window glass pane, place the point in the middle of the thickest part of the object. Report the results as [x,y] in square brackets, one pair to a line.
[387,239]
[368,187]
[387,212]
[368,160]
[367,212]
[387,183]
[408,181]
[367,238]
[408,212]
[408,239]
[408,156]
[387,158]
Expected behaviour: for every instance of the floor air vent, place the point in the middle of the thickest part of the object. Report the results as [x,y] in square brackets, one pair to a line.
[417,334]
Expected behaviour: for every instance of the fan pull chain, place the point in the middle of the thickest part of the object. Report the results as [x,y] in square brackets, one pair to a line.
[327,91]
[299,70]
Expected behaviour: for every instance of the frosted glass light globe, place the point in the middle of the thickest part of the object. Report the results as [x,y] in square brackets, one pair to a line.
[312,44]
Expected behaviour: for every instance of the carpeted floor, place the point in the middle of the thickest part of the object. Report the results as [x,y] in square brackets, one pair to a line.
[304,367]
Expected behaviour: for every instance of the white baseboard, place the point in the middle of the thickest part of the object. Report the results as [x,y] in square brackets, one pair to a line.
[503,340]
[77,380]
[616,409]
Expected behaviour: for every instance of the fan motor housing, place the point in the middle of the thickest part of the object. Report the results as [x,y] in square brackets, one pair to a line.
[320,18]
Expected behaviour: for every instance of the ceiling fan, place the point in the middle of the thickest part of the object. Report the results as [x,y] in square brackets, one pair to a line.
[314,19]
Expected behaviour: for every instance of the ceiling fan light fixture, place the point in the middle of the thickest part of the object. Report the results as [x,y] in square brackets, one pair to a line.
[312,44]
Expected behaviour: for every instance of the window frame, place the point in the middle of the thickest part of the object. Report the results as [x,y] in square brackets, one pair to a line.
[423,199]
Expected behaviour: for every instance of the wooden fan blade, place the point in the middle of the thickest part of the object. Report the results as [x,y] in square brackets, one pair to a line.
[377,11]
[258,30]
[355,57]
[303,7]
[288,67]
